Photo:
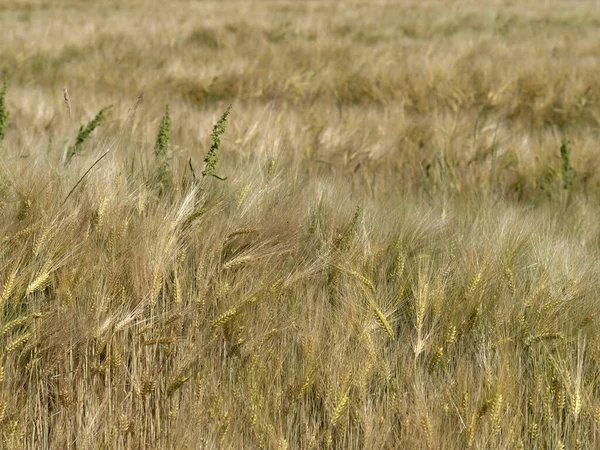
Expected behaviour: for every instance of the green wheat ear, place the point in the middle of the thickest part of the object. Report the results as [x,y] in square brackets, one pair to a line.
[84,133]
[211,157]
[3,111]
[162,140]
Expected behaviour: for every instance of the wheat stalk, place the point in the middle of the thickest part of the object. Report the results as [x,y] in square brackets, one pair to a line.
[228,315]
[14,323]
[243,195]
[426,427]
[381,319]
[472,286]
[38,283]
[176,384]
[450,336]
[136,104]
[242,231]
[177,288]
[238,261]
[8,287]
[18,342]
[224,318]
[435,359]
[40,241]
[496,410]
[339,407]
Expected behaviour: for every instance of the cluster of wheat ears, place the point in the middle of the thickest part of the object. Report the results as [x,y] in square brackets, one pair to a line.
[390,240]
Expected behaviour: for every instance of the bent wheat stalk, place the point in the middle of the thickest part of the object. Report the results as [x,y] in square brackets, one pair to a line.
[84,175]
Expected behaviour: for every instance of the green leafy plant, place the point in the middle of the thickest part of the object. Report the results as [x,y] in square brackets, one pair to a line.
[567,171]
[3,111]
[164,131]
[211,157]
[84,133]
[162,173]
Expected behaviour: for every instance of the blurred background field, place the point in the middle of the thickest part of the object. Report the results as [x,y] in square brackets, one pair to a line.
[403,253]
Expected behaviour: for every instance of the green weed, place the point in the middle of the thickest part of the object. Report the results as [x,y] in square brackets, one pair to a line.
[3,111]
[567,171]
[84,134]
[162,140]
[211,157]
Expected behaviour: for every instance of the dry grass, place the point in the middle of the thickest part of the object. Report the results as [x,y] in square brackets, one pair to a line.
[395,259]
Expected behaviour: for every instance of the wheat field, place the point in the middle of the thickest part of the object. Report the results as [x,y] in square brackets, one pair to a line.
[389,241]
